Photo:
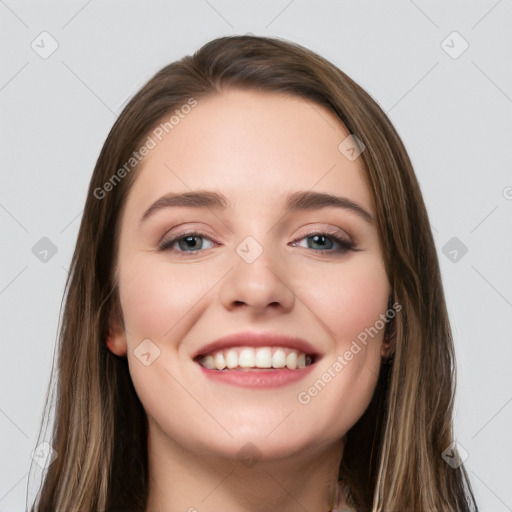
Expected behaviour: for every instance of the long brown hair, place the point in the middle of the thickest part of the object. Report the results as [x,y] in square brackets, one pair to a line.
[393,454]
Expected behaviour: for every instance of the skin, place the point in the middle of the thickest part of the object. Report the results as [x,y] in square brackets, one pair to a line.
[253,147]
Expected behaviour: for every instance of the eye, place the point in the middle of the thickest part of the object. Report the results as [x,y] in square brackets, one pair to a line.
[187,242]
[325,241]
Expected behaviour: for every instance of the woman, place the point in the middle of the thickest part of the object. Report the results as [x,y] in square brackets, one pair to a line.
[254,317]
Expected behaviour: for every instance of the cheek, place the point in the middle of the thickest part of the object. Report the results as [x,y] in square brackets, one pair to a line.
[350,299]
[158,302]
[155,297]
[350,304]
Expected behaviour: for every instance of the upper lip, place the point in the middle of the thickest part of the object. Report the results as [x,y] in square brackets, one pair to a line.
[258,339]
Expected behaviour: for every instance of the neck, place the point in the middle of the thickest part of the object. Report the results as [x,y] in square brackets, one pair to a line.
[185,480]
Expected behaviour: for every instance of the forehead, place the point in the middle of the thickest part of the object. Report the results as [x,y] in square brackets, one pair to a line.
[252,146]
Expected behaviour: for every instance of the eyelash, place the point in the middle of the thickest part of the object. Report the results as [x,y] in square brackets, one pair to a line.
[346,246]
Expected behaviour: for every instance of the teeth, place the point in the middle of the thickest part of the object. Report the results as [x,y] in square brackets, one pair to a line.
[231,359]
[279,359]
[291,360]
[248,357]
[263,358]
[208,362]
[220,362]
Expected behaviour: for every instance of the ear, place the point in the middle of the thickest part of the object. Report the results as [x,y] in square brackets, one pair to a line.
[116,338]
[387,348]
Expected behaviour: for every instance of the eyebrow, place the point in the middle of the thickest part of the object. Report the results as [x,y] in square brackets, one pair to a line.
[302,200]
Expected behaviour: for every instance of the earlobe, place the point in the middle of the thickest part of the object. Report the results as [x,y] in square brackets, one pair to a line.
[387,349]
[386,354]
[117,344]
[116,339]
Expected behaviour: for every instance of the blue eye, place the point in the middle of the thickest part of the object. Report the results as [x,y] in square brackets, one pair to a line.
[321,238]
[190,243]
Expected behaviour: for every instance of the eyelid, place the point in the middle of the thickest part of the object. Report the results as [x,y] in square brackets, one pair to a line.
[309,231]
[337,235]
[174,237]
[345,244]
[191,228]
[327,230]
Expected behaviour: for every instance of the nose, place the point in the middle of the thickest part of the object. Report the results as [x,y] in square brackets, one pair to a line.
[257,286]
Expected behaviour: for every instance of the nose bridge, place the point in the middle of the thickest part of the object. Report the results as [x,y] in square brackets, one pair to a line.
[258,278]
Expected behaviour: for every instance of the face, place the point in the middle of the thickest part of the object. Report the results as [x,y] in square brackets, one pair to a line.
[189,275]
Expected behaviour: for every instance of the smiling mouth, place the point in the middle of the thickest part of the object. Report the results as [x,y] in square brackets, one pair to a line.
[255,359]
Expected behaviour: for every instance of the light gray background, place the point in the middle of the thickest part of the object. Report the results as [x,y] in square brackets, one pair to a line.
[454,115]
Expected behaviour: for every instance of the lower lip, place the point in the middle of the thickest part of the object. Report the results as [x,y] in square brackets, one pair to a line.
[260,379]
